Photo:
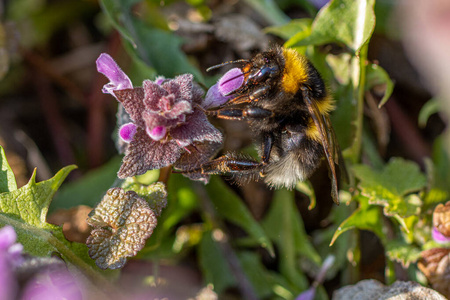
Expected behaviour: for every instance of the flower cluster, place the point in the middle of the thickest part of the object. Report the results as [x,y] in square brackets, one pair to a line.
[169,125]
[168,121]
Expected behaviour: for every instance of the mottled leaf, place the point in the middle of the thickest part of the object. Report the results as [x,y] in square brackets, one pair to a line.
[122,223]
[155,194]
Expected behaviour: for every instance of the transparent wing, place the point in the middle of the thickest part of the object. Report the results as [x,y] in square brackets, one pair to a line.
[328,139]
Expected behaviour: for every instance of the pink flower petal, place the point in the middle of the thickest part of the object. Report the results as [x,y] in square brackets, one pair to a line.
[118,79]
[439,237]
[231,81]
[214,98]
[7,237]
[309,294]
[157,133]
[127,131]
[159,80]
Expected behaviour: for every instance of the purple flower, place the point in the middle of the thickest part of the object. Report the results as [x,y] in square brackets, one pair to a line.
[219,93]
[310,293]
[53,285]
[439,237]
[10,258]
[118,79]
[169,118]
[8,246]
[127,132]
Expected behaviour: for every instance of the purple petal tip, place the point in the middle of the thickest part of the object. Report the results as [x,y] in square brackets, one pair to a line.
[439,237]
[7,237]
[127,131]
[159,80]
[231,81]
[214,98]
[157,133]
[309,294]
[118,79]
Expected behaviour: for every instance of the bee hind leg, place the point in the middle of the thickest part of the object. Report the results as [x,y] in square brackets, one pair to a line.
[228,164]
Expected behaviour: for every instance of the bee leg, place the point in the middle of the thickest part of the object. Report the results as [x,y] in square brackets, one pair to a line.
[266,149]
[246,98]
[241,113]
[227,164]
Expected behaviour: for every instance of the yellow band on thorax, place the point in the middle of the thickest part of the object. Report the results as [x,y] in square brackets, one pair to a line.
[295,71]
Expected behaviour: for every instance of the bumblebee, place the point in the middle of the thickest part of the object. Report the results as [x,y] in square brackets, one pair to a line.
[286,103]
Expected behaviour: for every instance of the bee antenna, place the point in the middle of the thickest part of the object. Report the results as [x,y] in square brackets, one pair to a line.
[227,63]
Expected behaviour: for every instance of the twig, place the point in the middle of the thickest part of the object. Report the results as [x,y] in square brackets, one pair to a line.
[407,132]
[54,119]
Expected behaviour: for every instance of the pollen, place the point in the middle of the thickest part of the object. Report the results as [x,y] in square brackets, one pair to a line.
[295,70]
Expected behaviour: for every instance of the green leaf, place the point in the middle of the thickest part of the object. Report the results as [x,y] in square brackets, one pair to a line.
[306,188]
[26,210]
[162,50]
[284,226]
[399,251]
[431,107]
[390,186]
[213,264]
[270,11]
[343,21]
[230,206]
[157,48]
[377,76]
[115,10]
[43,23]
[89,189]
[290,29]
[7,179]
[30,203]
[155,194]
[181,202]
[342,246]
[366,217]
[257,274]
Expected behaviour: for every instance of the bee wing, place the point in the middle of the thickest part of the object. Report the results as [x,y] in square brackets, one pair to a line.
[337,150]
[327,137]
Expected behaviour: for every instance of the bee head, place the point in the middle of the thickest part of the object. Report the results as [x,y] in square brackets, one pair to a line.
[265,67]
